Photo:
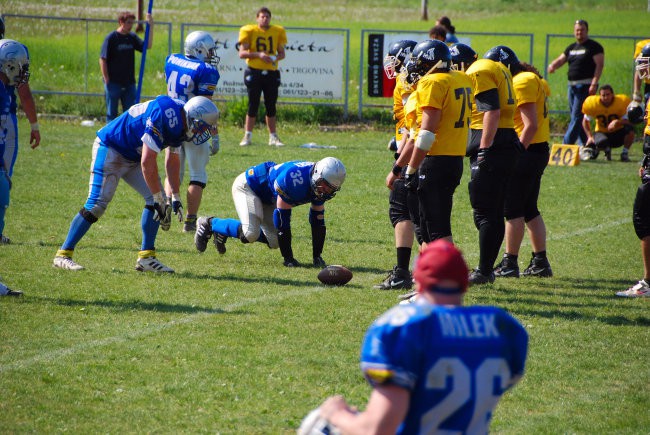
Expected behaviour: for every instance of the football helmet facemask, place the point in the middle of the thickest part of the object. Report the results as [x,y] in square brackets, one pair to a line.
[14,61]
[327,177]
[506,56]
[397,54]
[462,56]
[202,116]
[200,45]
[643,62]
[635,112]
[428,56]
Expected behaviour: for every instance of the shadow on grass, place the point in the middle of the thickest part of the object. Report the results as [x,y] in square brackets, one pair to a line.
[131,305]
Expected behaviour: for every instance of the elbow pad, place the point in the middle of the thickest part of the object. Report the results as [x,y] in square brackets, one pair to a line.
[425,140]
[282,219]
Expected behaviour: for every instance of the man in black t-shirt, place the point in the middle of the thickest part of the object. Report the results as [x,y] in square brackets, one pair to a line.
[117,63]
[586,59]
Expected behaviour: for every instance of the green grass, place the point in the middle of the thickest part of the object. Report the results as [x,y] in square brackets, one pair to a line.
[239,344]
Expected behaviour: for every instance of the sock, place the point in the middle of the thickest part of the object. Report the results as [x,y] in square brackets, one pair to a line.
[149,230]
[78,228]
[226,227]
[540,254]
[403,258]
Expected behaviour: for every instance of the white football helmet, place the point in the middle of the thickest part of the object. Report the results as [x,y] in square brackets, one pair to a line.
[14,61]
[643,62]
[327,177]
[200,45]
[202,116]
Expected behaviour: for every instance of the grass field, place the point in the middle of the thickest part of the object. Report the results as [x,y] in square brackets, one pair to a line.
[239,344]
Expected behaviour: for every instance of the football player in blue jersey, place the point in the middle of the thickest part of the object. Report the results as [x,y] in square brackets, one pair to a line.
[265,194]
[14,73]
[434,365]
[194,73]
[127,148]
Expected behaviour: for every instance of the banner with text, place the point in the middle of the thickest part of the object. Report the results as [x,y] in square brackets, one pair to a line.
[313,67]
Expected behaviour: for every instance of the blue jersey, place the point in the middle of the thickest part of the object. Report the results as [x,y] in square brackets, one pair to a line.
[158,123]
[290,180]
[5,109]
[455,361]
[188,77]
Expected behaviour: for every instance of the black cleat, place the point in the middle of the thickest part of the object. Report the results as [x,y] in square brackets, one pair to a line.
[397,279]
[319,262]
[508,268]
[477,277]
[203,233]
[220,243]
[539,266]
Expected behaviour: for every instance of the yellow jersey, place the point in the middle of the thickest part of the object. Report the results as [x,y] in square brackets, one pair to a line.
[451,93]
[485,75]
[410,112]
[399,94]
[593,108]
[267,41]
[530,88]
[646,130]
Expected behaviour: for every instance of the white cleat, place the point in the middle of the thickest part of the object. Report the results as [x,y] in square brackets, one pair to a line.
[66,263]
[638,290]
[151,264]
[245,141]
[274,140]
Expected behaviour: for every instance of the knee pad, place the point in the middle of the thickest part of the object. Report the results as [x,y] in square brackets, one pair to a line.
[88,216]
[316,218]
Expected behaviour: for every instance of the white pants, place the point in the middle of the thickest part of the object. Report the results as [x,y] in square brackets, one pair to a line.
[253,214]
[197,157]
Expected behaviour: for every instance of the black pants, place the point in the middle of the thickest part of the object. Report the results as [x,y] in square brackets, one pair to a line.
[522,191]
[403,206]
[261,81]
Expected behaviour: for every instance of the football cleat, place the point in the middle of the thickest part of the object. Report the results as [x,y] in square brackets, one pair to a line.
[203,233]
[274,140]
[6,291]
[538,267]
[397,279]
[245,141]
[66,263]
[189,226]
[5,240]
[151,264]
[319,262]
[608,154]
[508,268]
[477,277]
[220,243]
[625,157]
[638,290]
[291,262]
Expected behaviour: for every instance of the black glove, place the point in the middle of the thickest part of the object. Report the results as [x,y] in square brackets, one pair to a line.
[411,181]
[481,157]
[291,262]
[162,213]
[177,209]
[319,262]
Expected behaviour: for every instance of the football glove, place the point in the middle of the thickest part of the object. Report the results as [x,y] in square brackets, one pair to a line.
[163,214]
[214,145]
[411,181]
[177,207]
[481,157]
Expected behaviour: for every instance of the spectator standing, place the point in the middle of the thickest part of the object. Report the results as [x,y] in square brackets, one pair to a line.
[532,126]
[586,59]
[612,130]
[188,75]
[16,71]
[438,33]
[117,63]
[450,37]
[262,45]
[426,371]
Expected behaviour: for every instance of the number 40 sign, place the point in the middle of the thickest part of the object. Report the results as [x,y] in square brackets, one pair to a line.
[564,155]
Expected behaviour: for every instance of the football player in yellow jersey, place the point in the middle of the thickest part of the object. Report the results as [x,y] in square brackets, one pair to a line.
[442,109]
[613,129]
[532,126]
[402,204]
[493,149]
[262,45]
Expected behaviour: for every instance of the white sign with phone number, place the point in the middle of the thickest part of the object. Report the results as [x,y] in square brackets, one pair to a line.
[312,69]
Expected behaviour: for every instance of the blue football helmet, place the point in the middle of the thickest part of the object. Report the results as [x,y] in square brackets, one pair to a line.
[506,56]
[462,56]
[327,177]
[635,112]
[14,61]
[428,56]
[397,54]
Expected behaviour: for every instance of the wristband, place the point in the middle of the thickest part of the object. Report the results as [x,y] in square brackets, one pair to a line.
[410,170]
[34,126]
[159,198]
[396,169]
[176,196]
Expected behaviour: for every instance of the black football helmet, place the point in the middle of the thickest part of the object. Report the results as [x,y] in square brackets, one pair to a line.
[397,55]
[635,112]
[506,56]
[428,56]
[462,56]
[643,62]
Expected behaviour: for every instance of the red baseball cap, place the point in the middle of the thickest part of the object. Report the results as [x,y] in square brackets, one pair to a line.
[441,261]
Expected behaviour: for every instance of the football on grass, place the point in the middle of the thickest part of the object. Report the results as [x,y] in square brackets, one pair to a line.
[335,275]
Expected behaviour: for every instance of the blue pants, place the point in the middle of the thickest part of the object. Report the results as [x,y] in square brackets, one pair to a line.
[116,93]
[577,95]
